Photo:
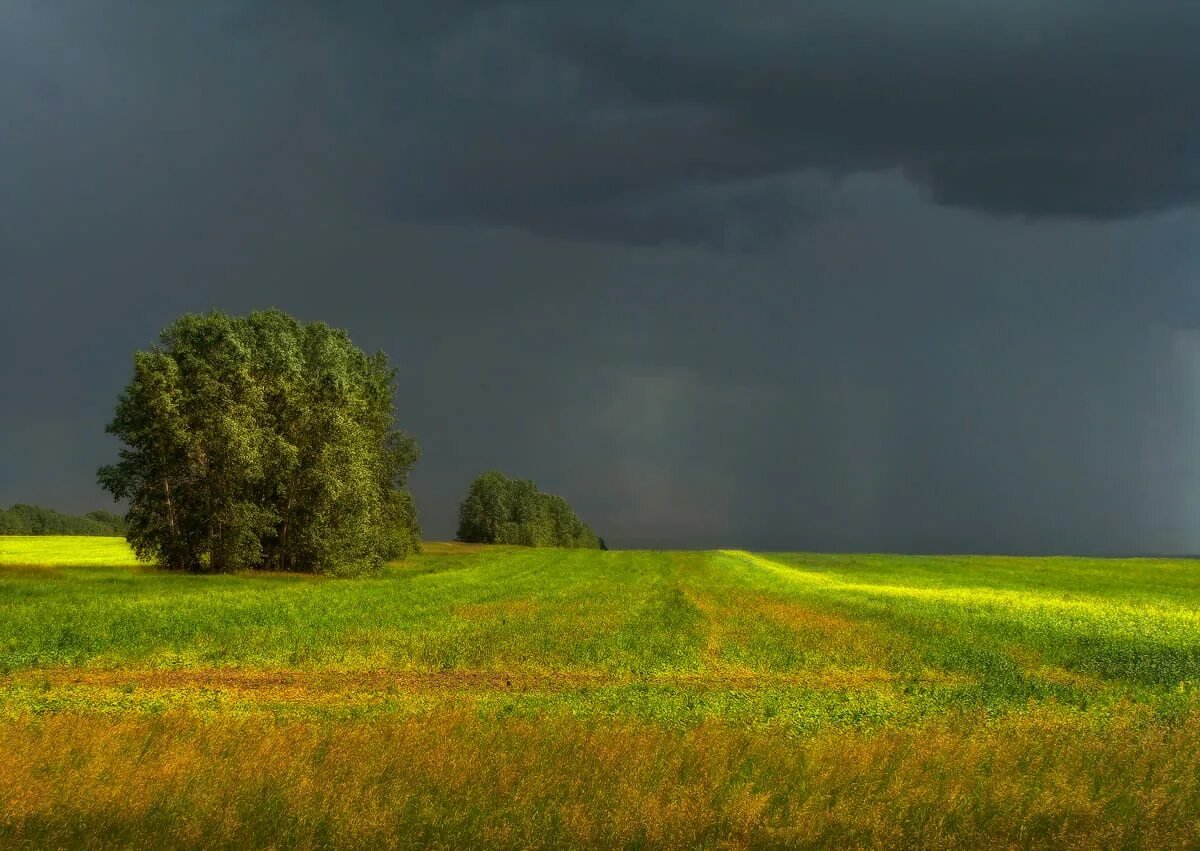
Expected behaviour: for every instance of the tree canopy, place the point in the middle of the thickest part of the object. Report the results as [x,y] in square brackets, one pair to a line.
[24,519]
[500,510]
[259,442]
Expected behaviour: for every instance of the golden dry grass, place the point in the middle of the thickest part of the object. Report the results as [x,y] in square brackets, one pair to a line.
[455,780]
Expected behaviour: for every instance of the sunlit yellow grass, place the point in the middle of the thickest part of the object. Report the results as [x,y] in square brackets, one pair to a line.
[65,551]
[982,595]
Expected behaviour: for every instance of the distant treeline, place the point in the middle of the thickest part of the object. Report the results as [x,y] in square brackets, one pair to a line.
[34,520]
[500,510]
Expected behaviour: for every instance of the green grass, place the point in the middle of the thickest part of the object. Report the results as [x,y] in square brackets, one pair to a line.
[650,631]
[1061,676]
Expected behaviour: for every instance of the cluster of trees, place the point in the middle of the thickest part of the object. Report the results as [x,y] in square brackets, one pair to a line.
[259,442]
[500,510]
[34,520]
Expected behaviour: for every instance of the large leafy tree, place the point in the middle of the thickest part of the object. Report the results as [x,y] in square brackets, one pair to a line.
[500,510]
[261,442]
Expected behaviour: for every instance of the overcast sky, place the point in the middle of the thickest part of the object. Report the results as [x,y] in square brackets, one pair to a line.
[854,274]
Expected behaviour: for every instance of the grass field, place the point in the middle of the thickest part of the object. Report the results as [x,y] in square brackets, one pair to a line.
[515,697]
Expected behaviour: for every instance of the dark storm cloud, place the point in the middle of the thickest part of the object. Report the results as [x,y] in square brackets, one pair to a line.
[586,116]
[696,122]
[843,275]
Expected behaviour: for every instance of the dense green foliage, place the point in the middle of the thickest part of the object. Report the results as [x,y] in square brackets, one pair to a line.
[24,519]
[500,510]
[260,442]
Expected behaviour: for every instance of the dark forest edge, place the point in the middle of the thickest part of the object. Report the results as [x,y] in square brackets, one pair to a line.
[24,519]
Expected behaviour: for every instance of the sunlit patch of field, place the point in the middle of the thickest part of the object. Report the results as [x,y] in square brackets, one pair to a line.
[541,697]
[64,551]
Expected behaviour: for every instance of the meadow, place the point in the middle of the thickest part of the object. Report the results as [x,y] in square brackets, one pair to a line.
[572,698]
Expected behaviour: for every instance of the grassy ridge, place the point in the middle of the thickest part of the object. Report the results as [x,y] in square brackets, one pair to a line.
[566,697]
